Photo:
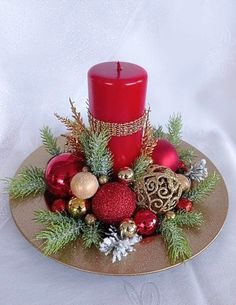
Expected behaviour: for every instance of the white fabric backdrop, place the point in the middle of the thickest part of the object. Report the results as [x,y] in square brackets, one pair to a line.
[188,49]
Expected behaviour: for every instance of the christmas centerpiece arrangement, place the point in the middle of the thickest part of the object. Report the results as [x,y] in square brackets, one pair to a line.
[119,179]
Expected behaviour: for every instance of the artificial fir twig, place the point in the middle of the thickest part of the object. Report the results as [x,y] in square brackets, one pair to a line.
[140,166]
[203,188]
[49,141]
[193,219]
[186,155]
[175,129]
[92,235]
[177,244]
[98,156]
[158,133]
[29,182]
[60,230]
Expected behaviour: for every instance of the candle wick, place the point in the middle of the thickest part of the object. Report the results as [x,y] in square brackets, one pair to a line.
[118,67]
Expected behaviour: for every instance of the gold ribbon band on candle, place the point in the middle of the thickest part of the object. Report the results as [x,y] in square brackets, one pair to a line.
[118,129]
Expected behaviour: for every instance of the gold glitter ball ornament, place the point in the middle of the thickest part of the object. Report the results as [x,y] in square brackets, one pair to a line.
[77,207]
[126,174]
[128,228]
[170,215]
[158,190]
[185,182]
[103,179]
[84,185]
[90,219]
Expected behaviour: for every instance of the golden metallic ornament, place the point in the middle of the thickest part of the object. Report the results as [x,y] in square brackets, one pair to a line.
[126,174]
[185,182]
[90,219]
[103,179]
[158,190]
[84,185]
[170,215]
[128,228]
[77,207]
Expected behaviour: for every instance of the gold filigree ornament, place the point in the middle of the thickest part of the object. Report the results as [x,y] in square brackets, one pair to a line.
[158,190]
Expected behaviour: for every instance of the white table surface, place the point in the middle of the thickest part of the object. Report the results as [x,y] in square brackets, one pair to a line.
[189,51]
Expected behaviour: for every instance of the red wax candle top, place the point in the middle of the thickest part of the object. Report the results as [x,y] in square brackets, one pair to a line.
[117,92]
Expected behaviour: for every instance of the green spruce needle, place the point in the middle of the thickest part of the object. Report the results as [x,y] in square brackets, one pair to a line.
[140,166]
[186,155]
[158,132]
[49,141]
[92,235]
[29,182]
[193,219]
[203,189]
[59,231]
[98,156]
[177,244]
[174,127]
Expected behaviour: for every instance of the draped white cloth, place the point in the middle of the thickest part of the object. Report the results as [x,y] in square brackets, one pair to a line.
[188,49]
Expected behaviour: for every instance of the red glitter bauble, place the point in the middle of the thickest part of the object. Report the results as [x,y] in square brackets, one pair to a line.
[184,204]
[113,202]
[165,154]
[147,222]
[59,172]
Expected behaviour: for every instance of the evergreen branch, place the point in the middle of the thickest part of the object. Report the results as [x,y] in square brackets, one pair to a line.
[29,182]
[158,133]
[186,155]
[98,156]
[203,188]
[193,219]
[140,166]
[92,235]
[175,129]
[177,245]
[49,141]
[48,217]
[57,234]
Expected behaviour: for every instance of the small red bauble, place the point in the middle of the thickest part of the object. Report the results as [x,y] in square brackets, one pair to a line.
[146,221]
[165,154]
[59,205]
[184,204]
[59,172]
[182,166]
[113,202]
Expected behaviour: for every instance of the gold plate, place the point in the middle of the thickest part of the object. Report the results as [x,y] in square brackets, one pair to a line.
[150,255]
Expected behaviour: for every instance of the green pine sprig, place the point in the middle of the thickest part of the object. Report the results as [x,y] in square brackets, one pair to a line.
[193,219]
[176,242]
[95,148]
[203,189]
[59,231]
[29,182]
[49,141]
[186,155]
[158,133]
[174,127]
[140,166]
[92,235]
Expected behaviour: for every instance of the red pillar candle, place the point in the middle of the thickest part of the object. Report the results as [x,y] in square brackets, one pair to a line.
[117,93]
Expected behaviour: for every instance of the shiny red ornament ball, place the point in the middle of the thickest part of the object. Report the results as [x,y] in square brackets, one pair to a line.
[59,172]
[184,204]
[165,154]
[59,205]
[147,222]
[113,202]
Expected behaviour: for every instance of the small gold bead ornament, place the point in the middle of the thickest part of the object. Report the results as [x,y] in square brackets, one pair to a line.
[90,219]
[103,179]
[126,174]
[77,207]
[128,228]
[170,215]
